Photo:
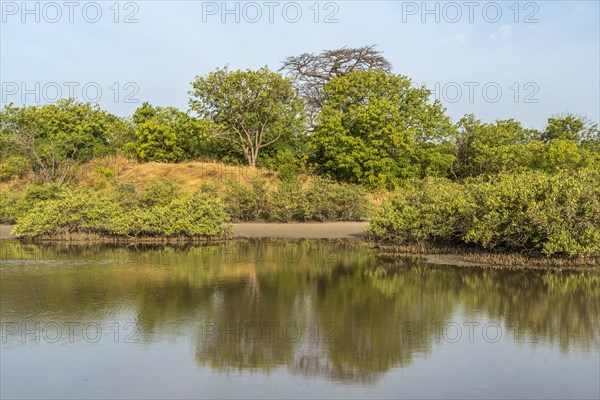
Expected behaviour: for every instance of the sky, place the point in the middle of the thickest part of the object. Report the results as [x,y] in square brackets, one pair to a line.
[498,60]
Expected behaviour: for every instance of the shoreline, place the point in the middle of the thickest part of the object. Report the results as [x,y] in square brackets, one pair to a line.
[432,254]
[473,257]
[301,230]
[244,230]
[5,232]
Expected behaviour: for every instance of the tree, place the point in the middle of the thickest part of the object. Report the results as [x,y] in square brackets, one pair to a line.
[253,109]
[374,129]
[166,134]
[491,148]
[570,127]
[311,72]
[569,142]
[56,137]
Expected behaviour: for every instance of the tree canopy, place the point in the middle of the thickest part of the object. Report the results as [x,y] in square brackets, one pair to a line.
[370,127]
[311,72]
[252,109]
[505,145]
[571,127]
[166,134]
[55,137]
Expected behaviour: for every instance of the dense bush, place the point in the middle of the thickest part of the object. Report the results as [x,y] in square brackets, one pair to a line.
[159,194]
[246,203]
[73,211]
[163,209]
[432,210]
[288,202]
[331,201]
[532,211]
[111,212]
[197,214]
[323,200]
[8,206]
[557,213]
[14,205]
[287,158]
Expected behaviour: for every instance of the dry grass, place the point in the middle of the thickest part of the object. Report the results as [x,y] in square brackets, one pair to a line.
[378,198]
[16,184]
[188,175]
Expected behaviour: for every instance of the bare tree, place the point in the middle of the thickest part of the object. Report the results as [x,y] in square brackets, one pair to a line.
[311,72]
[48,165]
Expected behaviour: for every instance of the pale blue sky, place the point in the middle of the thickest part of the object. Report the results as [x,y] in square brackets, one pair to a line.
[554,61]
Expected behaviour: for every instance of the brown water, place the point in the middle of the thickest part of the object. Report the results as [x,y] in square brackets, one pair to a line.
[275,319]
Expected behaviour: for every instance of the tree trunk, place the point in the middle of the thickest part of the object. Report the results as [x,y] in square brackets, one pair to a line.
[252,156]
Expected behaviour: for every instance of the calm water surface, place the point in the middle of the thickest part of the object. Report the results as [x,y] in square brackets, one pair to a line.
[273,319]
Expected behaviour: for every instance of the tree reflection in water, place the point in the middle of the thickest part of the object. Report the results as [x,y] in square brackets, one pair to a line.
[334,309]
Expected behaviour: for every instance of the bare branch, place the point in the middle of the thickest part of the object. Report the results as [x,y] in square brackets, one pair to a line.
[311,72]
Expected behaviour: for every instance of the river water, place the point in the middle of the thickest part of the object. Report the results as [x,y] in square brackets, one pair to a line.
[280,319]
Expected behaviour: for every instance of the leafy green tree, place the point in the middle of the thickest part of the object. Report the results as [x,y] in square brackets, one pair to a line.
[253,109]
[562,154]
[166,134]
[287,156]
[56,137]
[567,142]
[377,129]
[480,148]
[570,127]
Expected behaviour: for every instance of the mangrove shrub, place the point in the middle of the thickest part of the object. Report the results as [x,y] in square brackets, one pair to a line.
[530,211]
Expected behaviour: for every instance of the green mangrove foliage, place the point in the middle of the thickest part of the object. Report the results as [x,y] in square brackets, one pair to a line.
[14,205]
[531,211]
[247,203]
[433,210]
[322,200]
[47,210]
[160,211]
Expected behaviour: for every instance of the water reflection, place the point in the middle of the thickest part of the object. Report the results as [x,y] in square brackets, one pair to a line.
[333,309]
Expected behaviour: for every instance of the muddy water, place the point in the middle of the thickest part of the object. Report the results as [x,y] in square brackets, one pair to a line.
[275,318]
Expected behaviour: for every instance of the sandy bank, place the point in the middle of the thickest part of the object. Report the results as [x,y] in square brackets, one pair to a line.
[327,230]
[5,232]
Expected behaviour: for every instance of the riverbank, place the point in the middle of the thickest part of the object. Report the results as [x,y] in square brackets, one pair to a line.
[465,256]
[5,231]
[432,254]
[308,230]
